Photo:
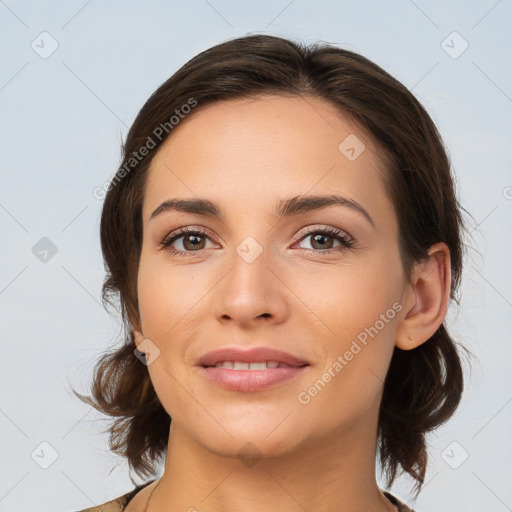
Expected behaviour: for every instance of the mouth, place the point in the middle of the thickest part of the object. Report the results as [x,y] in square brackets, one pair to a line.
[241,365]
[256,369]
[236,358]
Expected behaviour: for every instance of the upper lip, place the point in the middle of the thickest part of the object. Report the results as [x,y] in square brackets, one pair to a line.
[252,355]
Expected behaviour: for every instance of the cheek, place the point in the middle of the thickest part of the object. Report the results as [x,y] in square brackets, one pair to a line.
[358,306]
[167,294]
[348,382]
[348,299]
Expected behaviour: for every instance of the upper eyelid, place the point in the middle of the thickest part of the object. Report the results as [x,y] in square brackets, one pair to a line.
[310,230]
[183,231]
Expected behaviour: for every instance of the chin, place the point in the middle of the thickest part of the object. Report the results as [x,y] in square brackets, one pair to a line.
[250,448]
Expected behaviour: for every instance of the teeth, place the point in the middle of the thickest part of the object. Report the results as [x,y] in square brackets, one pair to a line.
[258,366]
[238,365]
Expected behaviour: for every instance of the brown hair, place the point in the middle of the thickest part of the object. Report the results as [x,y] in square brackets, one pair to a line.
[423,386]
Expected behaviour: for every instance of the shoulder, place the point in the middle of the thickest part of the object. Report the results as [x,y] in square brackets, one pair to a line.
[402,507]
[117,504]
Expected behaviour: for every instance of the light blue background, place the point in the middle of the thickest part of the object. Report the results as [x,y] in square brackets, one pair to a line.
[62,119]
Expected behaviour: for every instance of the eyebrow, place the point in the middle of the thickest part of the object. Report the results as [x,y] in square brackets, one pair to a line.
[284,207]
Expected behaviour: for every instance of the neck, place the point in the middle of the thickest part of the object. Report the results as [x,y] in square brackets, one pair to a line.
[334,474]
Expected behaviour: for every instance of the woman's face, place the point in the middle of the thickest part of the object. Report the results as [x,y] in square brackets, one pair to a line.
[254,278]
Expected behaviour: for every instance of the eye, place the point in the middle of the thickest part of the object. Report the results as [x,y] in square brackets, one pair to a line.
[194,240]
[322,240]
[191,241]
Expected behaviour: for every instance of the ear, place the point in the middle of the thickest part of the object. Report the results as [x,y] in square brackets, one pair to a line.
[136,330]
[425,299]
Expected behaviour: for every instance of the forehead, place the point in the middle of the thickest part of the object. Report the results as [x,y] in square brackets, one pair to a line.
[245,151]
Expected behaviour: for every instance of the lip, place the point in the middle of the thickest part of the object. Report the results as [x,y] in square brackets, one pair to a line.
[250,380]
[251,355]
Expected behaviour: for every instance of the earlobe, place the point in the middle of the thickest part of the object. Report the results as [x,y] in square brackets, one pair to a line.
[426,300]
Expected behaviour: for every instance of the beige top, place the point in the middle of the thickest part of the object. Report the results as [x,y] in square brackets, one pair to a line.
[119,504]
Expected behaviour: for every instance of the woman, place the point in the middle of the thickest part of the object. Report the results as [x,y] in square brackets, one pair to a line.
[284,238]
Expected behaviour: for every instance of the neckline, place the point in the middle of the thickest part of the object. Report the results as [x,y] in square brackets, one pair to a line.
[130,495]
[393,499]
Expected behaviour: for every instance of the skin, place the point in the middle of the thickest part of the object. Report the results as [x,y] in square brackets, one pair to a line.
[244,155]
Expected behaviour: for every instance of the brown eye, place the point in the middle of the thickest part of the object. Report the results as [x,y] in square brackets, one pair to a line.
[187,241]
[320,241]
[193,242]
[324,240]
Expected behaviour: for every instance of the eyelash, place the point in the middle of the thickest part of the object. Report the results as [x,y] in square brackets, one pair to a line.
[346,241]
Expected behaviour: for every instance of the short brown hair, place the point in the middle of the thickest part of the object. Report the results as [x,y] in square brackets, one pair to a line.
[423,386]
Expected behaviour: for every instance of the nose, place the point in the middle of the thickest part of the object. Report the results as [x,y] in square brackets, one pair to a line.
[251,292]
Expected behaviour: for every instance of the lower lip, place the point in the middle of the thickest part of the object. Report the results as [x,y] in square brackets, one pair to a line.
[250,380]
